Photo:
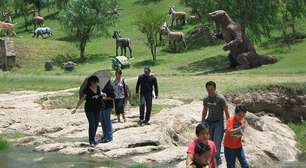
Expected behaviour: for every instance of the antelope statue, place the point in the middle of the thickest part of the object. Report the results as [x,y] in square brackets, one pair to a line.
[37,20]
[123,43]
[8,27]
[177,16]
[174,36]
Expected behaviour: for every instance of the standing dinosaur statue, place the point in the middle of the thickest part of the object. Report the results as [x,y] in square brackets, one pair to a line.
[242,54]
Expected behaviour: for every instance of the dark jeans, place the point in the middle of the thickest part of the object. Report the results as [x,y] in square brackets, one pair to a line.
[145,103]
[216,131]
[106,123]
[93,120]
[232,154]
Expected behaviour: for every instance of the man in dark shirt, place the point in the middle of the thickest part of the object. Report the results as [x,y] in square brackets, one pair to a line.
[214,108]
[146,82]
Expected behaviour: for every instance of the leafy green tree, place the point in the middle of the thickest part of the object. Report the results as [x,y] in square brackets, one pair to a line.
[149,22]
[86,18]
[22,8]
[259,17]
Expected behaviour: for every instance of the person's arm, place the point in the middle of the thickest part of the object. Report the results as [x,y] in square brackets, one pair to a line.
[110,95]
[227,115]
[155,87]
[138,84]
[204,113]
[81,100]
[189,159]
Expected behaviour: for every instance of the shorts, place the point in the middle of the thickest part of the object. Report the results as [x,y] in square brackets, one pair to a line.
[119,106]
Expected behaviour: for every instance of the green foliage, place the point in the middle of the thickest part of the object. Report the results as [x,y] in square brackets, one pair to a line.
[85,18]
[62,58]
[3,144]
[300,131]
[259,17]
[149,22]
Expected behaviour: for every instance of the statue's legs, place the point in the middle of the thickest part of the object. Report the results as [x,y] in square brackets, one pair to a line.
[233,61]
[246,60]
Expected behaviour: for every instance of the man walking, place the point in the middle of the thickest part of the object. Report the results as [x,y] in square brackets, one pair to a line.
[146,82]
[216,106]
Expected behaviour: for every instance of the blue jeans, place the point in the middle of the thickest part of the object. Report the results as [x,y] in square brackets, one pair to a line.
[93,120]
[106,124]
[232,154]
[216,131]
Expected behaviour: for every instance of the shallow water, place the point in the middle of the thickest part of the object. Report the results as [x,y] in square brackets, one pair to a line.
[24,156]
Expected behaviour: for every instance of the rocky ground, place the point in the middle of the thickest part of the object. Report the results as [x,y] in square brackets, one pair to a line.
[164,141]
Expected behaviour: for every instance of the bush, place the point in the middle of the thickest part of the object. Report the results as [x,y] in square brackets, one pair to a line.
[62,58]
[3,144]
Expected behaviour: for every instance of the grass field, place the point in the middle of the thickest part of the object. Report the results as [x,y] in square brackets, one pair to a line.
[181,75]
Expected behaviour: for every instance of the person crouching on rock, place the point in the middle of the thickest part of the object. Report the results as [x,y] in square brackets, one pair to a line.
[122,94]
[232,141]
[202,132]
[92,96]
[201,156]
[105,117]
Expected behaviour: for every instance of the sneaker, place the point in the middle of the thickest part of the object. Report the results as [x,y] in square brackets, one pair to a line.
[146,122]
[105,140]
[140,122]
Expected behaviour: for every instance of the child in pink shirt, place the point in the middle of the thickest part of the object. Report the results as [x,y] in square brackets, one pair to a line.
[202,132]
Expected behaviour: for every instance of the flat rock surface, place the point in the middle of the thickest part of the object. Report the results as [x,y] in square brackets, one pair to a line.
[164,141]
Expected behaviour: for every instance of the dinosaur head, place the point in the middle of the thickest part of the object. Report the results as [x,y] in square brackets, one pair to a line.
[218,16]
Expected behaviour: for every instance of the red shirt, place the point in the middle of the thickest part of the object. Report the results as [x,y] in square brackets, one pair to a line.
[213,151]
[231,141]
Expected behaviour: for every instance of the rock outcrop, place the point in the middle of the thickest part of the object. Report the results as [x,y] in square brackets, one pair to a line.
[163,142]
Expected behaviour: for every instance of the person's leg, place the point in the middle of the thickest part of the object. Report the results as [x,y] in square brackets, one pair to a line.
[102,120]
[230,157]
[96,120]
[142,107]
[211,130]
[117,109]
[241,157]
[218,137]
[91,120]
[149,108]
[108,124]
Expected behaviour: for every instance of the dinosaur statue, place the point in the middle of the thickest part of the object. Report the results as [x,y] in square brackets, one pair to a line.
[242,54]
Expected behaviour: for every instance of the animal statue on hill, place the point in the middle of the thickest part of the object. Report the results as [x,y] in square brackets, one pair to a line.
[41,31]
[37,21]
[242,53]
[9,28]
[123,43]
[174,36]
[179,17]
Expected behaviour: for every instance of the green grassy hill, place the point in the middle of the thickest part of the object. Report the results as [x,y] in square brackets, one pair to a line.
[181,75]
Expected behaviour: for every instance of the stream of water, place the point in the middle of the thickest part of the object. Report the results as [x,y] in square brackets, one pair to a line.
[25,157]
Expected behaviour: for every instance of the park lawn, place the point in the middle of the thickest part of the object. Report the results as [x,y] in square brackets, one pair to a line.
[181,75]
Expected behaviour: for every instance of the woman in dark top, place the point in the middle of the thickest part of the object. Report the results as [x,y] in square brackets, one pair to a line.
[93,105]
[105,119]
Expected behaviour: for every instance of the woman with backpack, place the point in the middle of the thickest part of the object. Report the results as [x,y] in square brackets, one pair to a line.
[121,95]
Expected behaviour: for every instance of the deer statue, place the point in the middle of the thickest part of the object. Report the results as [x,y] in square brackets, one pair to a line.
[174,36]
[37,20]
[8,27]
[177,16]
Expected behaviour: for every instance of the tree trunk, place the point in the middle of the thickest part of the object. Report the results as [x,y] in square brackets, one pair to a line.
[82,50]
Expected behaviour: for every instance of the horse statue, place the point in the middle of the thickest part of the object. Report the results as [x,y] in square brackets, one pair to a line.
[178,16]
[123,43]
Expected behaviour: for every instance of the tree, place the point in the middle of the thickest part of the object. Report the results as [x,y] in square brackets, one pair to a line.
[22,8]
[259,17]
[149,22]
[86,18]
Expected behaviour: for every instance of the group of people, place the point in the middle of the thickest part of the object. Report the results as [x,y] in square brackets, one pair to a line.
[204,152]
[99,102]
